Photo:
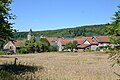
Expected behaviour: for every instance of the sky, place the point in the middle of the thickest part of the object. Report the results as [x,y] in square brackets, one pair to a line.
[40,15]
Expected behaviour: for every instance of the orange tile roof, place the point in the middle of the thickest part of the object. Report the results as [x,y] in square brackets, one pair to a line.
[80,40]
[65,41]
[52,39]
[102,38]
[91,40]
[19,43]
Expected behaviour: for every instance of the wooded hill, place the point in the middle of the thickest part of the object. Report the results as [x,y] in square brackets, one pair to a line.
[89,30]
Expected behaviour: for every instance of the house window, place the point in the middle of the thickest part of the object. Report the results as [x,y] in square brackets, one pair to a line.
[10,47]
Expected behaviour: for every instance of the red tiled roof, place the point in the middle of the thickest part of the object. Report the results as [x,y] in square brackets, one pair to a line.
[80,40]
[91,40]
[52,39]
[19,43]
[102,38]
[83,45]
[65,41]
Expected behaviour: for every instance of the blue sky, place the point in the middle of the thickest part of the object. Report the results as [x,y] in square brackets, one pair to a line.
[41,15]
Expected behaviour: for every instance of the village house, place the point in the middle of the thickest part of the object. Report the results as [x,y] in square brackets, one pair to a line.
[84,43]
[62,42]
[91,43]
[14,45]
[102,40]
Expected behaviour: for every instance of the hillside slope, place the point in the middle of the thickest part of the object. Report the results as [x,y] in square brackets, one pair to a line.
[90,30]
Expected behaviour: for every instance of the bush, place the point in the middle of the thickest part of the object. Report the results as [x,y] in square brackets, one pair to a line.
[53,48]
[2,53]
[23,50]
[104,48]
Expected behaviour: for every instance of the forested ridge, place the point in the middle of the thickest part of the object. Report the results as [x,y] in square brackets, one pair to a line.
[89,30]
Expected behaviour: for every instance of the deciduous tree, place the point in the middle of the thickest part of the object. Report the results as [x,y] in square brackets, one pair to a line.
[6,28]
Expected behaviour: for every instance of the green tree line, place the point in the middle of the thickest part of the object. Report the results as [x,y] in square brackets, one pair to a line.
[37,46]
[91,30]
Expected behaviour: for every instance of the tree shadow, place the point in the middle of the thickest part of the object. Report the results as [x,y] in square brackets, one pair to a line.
[19,68]
[6,57]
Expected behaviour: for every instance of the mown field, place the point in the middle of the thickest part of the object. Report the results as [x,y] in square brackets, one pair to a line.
[68,66]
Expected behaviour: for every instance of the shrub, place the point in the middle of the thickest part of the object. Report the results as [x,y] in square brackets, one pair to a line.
[2,53]
[53,48]
[23,50]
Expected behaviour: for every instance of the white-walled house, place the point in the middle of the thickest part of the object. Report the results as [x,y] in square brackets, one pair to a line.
[14,45]
[92,42]
[10,46]
[84,43]
[102,40]
[61,43]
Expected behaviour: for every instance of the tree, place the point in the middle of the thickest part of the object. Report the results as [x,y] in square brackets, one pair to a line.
[45,44]
[71,45]
[53,48]
[38,46]
[34,45]
[113,30]
[6,29]
[30,44]
[75,43]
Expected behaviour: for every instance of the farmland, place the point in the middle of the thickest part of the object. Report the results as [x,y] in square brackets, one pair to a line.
[68,66]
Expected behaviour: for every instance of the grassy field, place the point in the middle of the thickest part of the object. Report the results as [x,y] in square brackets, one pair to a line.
[68,66]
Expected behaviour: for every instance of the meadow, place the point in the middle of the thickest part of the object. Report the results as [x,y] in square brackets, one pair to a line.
[66,65]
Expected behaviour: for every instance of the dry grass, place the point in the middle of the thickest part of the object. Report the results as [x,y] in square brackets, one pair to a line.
[69,66]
